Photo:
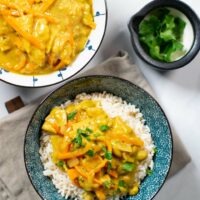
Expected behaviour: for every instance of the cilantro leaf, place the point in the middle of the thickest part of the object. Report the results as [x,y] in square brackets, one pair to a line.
[149,172]
[167,35]
[60,163]
[174,46]
[155,52]
[168,22]
[108,155]
[104,128]
[90,153]
[83,133]
[129,167]
[149,26]
[80,131]
[160,13]
[155,150]
[160,34]
[78,140]
[107,184]
[71,115]
[89,130]
[121,183]
[179,29]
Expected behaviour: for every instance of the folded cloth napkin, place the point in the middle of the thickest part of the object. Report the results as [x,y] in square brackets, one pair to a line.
[14,182]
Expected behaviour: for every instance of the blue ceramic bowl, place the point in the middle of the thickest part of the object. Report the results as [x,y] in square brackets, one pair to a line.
[153,113]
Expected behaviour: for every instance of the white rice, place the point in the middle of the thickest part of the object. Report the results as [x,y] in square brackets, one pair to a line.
[113,106]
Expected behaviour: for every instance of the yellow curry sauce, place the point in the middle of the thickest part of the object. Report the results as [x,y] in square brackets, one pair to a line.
[100,154]
[41,36]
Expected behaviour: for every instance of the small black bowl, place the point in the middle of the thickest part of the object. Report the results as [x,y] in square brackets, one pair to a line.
[174,4]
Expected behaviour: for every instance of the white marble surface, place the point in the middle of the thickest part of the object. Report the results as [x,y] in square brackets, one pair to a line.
[178,92]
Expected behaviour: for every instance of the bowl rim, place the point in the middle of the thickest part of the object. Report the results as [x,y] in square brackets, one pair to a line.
[58,82]
[106,77]
[181,7]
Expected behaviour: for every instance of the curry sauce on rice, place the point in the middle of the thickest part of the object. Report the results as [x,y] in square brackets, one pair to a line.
[96,147]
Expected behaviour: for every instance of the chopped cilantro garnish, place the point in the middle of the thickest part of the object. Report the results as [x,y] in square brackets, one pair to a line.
[90,153]
[155,150]
[161,35]
[106,184]
[121,183]
[87,138]
[104,128]
[60,163]
[78,140]
[71,115]
[80,131]
[83,133]
[108,154]
[149,172]
[89,130]
[129,167]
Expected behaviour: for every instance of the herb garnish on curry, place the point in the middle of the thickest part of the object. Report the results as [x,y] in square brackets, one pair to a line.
[100,154]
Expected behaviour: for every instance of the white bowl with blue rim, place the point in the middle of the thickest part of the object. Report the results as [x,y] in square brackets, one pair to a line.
[91,47]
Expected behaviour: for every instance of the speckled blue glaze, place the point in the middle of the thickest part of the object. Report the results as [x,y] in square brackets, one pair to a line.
[155,119]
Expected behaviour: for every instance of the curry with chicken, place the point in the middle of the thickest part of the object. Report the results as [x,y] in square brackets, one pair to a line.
[99,153]
[42,36]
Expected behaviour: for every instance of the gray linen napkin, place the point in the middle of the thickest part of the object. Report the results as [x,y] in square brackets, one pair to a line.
[14,182]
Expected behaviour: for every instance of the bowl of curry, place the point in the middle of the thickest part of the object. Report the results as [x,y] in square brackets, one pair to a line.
[46,42]
[104,139]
